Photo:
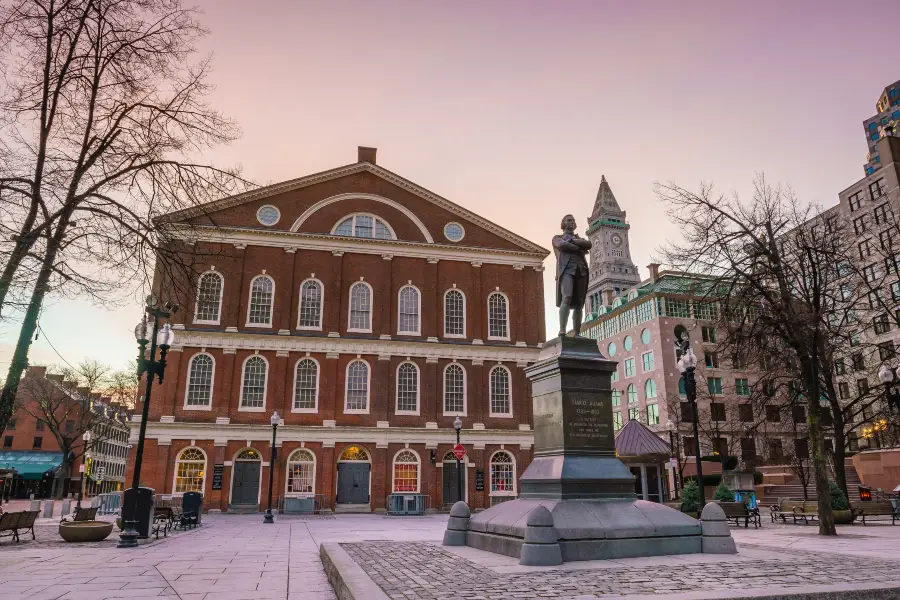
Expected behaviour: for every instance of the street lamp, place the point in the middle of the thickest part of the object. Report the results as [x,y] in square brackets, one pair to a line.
[457,425]
[670,426]
[154,330]
[686,365]
[886,375]
[274,420]
[84,458]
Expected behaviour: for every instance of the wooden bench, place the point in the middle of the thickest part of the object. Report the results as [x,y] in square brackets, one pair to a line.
[797,511]
[875,508]
[13,522]
[82,514]
[735,511]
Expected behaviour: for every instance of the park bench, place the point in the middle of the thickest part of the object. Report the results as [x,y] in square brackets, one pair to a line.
[162,521]
[82,514]
[735,511]
[796,510]
[12,522]
[875,508]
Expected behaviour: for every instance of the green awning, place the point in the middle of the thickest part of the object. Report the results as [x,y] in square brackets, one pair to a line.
[30,465]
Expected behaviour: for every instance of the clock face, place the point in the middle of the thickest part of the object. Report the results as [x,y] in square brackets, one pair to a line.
[616,239]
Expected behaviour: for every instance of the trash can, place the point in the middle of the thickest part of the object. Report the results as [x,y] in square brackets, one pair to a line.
[138,506]
[192,505]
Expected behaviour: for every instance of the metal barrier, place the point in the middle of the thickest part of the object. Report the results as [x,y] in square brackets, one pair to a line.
[305,504]
[407,504]
[110,503]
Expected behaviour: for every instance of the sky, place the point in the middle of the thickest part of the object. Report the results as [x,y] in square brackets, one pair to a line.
[515,109]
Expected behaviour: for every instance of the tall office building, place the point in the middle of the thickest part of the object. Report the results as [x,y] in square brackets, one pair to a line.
[888,107]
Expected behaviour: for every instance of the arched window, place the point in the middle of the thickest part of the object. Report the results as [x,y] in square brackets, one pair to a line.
[406,471]
[253,384]
[408,389]
[501,402]
[364,226]
[360,308]
[650,389]
[498,317]
[310,305]
[454,314]
[503,474]
[356,398]
[408,310]
[262,291]
[209,298]
[631,393]
[306,385]
[190,471]
[454,390]
[301,472]
[200,381]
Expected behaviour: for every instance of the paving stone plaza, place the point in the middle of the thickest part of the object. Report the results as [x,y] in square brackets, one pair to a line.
[236,557]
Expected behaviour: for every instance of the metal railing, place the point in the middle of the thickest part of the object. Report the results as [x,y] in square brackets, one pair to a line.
[110,503]
[304,504]
[407,504]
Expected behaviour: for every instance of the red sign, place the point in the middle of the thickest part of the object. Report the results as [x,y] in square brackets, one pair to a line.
[459,451]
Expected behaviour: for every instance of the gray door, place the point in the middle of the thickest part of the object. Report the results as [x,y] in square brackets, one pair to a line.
[451,488]
[353,483]
[246,482]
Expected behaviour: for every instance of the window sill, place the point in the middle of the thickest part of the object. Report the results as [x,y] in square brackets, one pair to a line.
[305,411]
[506,493]
[198,407]
[251,409]
[410,333]
[455,414]
[356,411]
[195,322]
[308,328]
[407,413]
[492,338]
[359,331]
[500,415]
[259,325]
[455,336]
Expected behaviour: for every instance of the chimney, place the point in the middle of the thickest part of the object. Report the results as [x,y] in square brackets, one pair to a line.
[654,272]
[37,371]
[366,154]
[608,297]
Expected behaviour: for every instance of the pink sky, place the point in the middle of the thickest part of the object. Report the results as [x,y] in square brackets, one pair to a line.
[515,109]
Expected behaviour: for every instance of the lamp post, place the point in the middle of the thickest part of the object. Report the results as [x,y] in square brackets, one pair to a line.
[457,425]
[670,426]
[274,420]
[153,330]
[84,458]
[886,375]
[686,365]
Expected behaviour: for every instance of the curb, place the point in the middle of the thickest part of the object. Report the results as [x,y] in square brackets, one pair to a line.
[349,580]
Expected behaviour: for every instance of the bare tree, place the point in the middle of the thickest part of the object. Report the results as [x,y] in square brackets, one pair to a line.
[102,112]
[122,386]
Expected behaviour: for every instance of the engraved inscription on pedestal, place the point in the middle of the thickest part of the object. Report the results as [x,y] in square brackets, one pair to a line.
[588,423]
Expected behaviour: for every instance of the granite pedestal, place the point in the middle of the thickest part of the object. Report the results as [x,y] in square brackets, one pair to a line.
[592,511]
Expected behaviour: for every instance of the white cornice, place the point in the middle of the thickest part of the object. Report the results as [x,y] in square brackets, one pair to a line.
[240,236]
[250,341]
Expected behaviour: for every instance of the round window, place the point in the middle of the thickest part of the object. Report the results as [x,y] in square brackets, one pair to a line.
[645,336]
[268,215]
[454,232]
[611,349]
[627,343]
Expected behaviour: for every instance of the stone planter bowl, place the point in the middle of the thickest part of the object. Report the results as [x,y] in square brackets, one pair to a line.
[842,517]
[85,531]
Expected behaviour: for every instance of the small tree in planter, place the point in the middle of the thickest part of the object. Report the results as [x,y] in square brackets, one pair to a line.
[723,493]
[842,513]
[690,497]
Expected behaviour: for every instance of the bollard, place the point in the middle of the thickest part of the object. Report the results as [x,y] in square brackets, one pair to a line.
[457,525]
[48,509]
[35,505]
[541,547]
[66,508]
[716,532]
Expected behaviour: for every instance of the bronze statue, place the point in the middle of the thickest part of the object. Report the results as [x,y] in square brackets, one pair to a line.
[571,274]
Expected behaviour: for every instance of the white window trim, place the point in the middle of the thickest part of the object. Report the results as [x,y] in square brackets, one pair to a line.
[315,409]
[465,392]
[358,411]
[271,303]
[262,408]
[178,460]
[625,367]
[287,471]
[643,370]
[365,214]
[515,481]
[656,388]
[491,393]
[418,330]
[321,305]
[197,300]
[637,398]
[212,383]
[350,307]
[488,315]
[465,324]
[418,470]
[397,410]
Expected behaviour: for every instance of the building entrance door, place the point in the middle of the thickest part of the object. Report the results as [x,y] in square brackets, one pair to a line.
[245,483]
[353,483]
[451,493]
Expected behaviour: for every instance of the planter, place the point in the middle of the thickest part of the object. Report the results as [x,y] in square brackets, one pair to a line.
[842,517]
[85,531]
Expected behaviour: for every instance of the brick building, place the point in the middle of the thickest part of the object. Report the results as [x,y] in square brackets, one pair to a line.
[370,313]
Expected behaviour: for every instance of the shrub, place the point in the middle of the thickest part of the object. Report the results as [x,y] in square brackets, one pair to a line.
[838,499]
[757,477]
[723,493]
[708,480]
[690,497]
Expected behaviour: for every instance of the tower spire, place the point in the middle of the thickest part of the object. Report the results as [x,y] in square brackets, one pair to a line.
[606,201]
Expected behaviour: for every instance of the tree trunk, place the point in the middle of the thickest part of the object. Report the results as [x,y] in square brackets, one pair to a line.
[840,456]
[820,466]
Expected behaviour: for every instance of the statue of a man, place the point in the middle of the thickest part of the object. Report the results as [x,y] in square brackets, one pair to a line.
[571,274]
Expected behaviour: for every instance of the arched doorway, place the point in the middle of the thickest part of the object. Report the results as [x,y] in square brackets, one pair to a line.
[245,478]
[451,489]
[353,476]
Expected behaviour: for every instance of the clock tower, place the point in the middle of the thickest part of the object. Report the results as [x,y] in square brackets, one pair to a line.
[611,267]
